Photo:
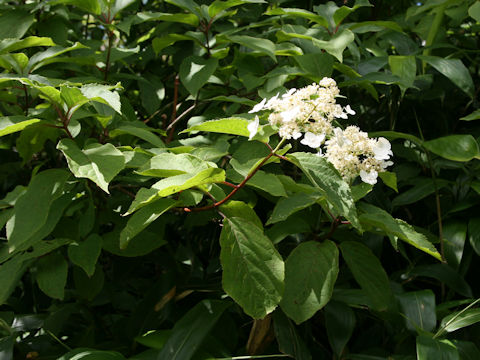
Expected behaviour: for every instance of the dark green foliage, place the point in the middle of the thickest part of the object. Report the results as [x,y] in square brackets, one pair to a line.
[142,219]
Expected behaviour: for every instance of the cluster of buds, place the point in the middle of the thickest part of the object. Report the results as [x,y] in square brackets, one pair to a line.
[310,112]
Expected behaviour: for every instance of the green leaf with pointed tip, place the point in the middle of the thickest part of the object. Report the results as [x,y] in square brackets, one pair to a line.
[233,126]
[169,164]
[263,46]
[32,209]
[85,254]
[389,179]
[340,323]
[10,273]
[444,274]
[460,319]
[473,116]
[454,147]
[241,210]
[103,94]
[344,11]
[311,270]
[11,124]
[290,205]
[377,218]
[195,72]
[99,163]
[419,309]
[175,184]
[335,46]
[434,349]
[454,69]
[325,177]
[138,130]
[160,43]
[190,331]
[218,6]
[301,13]
[10,45]
[253,270]
[369,273]
[144,217]
[42,58]
[289,341]
[91,6]
[15,23]
[52,275]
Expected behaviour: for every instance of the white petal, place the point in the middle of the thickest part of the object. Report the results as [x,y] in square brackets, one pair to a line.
[313,140]
[382,149]
[349,110]
[258,107]
[369,177]
[253,127]
[296,135]
[289,115]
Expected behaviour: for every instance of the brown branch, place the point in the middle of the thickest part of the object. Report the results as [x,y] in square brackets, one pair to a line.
[234,191]
[109,50]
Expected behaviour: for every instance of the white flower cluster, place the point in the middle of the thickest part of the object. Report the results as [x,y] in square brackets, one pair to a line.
[310,112]
[353,153]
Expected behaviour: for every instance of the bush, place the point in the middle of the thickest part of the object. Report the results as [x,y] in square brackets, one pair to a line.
[185,180]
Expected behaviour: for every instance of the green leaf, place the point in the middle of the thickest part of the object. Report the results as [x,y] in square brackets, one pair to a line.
[261,180]
[103,94]
[91,6]
[369,273]
[91,354]
[335,46]
[169,164]
[405,67]
[142,218]
[46,57]
[454,147]
[263,46]
[317,66]
[419,310]
[460,319]
[9,45]
[444,274]
[160,43]
[190,331]
[301,13]
[389,179]
[15,23]
[422,188]
[32,209]
[138,130]
[290,205]
[474,115]
[11,124]
[99,163]
[340,323]
[195,72]
[344,11]
[218,6]
[289,341]
[175,184]
[253,270]
[241,210]
[454,236]
[474,233]
[433,349]
[85,254]
[474,11]
[232,126]
[375,217]
[311,270]
[52,275]
[454,70]
[324,176]
[88,287]
[10,274]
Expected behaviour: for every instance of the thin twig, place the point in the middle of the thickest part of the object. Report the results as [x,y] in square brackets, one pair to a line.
[174,108]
